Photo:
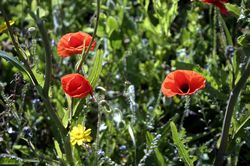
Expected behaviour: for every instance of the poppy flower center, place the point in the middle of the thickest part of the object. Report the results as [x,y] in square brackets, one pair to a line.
[74,41]
[184,88]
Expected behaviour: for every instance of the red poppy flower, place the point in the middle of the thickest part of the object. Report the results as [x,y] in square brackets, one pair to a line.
[219,4]
[73,43]
[76,85]
[182,82]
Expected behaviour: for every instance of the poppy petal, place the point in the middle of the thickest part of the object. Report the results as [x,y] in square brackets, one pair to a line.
[197,82]
[182,82]
[75,40]
[74,43]
[75,85]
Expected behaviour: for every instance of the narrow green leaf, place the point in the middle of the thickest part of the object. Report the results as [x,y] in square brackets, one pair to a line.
[227,33]
[146,5]
[16,63]
[96,69]
[13,61]
[78,106]
[58,149]
[243,40]
[180,146]
[244,122]
[6,159]
[66,119]
[131,133]
[233,8]
[170,16]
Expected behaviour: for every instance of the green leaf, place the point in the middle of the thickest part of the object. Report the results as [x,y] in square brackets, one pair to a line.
[78,107]
[66,118]
[18,65]
[96,69]
[13,61]
[146,5]
[36,8]
[6,159]
[227,33]
[243,40]
[147,25]
[170,16]
[233,8]
[244,122]
[58,149]
[111,25]
[131,133]
[180,146]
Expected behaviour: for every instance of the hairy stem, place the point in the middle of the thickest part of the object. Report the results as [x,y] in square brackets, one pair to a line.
[48,52]
[228,115]
[97,141]
[65,141]
[186,112]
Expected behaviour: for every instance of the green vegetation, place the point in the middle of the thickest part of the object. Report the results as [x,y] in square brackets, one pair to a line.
[138,43]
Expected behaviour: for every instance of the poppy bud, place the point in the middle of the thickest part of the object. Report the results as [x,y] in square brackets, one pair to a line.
[74,43]
[76,85]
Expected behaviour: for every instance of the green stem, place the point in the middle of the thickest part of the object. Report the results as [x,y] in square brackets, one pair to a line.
[85,53]
[65,141]
[48,52]
[214,34]
[99,109]
[158,100]
[186,112]
[228,115]
[233,75]
[59,131]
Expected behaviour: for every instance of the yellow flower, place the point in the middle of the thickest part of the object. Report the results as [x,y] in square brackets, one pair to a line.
[80,135]
[3,26]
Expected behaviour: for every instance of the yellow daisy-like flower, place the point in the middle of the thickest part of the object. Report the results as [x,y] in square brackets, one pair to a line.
[80,135]
[3,26]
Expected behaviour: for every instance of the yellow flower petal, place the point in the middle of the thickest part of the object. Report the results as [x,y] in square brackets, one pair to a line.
[79,135]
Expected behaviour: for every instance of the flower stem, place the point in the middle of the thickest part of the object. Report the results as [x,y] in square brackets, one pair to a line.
[85,53]
[48,52]
[186,112]
[64,138]
[97,141]
[228,115]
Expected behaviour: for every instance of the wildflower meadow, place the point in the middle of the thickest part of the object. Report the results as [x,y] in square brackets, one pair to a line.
[125,82]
